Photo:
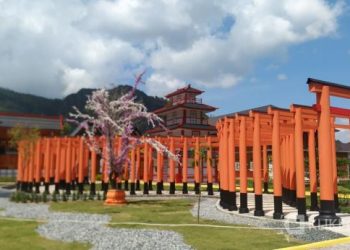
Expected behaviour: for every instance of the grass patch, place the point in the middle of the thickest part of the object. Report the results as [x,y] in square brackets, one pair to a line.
[176,211]
[21,234]
[7,179]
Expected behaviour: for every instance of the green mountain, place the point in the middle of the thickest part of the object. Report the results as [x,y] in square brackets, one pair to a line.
[11,101]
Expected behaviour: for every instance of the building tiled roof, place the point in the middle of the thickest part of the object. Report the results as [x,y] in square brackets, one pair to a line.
[214,119]
[187,89]
[185,126]
[30,121]
[186,105]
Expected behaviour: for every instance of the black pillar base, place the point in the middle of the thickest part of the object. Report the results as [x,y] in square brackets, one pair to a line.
[278,211]
[288,197]
[80,188]
[243,208]
[37,187]
[145,188]
[336,203]
[18,185]
[172,188]
[68,188]
[197,188]
[284,195]
[126,185]
[150,186]
[327,216]
[293,198]
[132,188]
[57,188]
[313,201]
[221,194]
[47,188]
[62,184]
[74,185]
[162,185]
[210,188]
[301,206]
[259,205]
[159,188]
[23,186]
[231,201]
[93,188]
[86,180]
[184,188]
[266,187]
[104,187]
[119,186]
[228,200]
[138,188]
[30,187]
[52,180]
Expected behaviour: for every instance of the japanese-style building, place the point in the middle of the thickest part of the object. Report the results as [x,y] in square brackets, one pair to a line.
[47,126]
[184,115]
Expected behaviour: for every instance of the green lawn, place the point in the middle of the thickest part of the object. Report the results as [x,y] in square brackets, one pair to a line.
[21,235]
[176,211]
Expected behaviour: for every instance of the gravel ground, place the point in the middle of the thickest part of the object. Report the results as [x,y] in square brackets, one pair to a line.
[209,210]
[91,228]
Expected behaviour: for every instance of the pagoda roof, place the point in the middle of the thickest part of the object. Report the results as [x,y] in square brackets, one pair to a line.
[185,126]
[187,89]
[199,106]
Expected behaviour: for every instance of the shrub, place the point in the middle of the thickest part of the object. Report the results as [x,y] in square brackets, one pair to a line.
[54,197]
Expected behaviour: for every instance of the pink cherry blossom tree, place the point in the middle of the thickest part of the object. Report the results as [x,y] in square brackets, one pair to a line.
[113,118]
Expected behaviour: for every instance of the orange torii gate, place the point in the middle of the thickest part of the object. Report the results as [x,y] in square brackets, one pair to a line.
[67,162]
[326,145]
[282,130]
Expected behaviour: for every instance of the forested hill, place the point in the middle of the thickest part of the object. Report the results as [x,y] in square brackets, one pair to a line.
[11,101]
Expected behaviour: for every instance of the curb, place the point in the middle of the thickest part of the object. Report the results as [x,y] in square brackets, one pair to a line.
[320,244]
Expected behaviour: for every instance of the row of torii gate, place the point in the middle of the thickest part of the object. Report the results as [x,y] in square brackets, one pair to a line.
[278,132]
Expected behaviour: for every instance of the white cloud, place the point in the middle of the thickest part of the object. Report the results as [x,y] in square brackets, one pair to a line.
[55,47]
[282,77]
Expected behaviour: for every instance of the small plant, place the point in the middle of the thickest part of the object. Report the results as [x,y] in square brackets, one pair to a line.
[54,197]
[31,197]
[74,196]
[91,197]
[13,197]
[39,198]
[36,198]
[45,197]
[24,198]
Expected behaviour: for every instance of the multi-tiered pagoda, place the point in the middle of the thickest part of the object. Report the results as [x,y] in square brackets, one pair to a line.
[184,115]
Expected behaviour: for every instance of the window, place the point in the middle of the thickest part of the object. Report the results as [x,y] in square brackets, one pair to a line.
[196,133]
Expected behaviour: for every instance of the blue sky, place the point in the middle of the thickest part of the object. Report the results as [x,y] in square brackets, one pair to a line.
[325,59]
[243,53]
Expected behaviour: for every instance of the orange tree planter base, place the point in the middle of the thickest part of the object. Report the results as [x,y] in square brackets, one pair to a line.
[115,197]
